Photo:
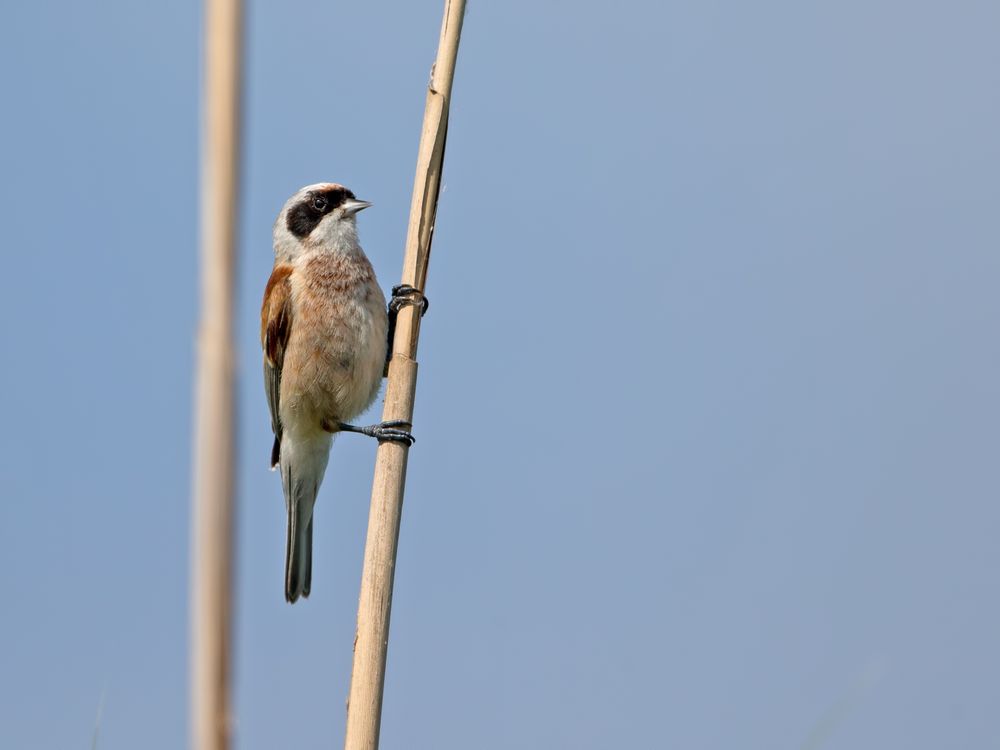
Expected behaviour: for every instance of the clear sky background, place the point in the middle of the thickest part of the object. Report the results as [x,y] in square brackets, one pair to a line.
[709,405]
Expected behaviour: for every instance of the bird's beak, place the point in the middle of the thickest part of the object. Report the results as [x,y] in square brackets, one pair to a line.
[352,206]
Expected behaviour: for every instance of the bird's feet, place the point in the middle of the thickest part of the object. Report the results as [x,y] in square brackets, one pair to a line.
[404,294]
[383,431]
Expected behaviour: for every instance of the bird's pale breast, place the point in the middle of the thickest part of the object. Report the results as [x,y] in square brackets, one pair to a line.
[337,345]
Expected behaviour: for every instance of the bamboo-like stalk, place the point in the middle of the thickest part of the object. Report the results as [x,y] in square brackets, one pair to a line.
[364,709]
[212,503]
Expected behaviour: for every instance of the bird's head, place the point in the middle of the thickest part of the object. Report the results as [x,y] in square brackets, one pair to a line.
[317,216]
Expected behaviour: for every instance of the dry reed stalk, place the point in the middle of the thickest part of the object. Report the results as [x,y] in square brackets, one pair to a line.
[364,710]
[212,512]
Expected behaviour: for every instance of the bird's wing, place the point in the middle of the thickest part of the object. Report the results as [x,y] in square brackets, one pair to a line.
[275,327]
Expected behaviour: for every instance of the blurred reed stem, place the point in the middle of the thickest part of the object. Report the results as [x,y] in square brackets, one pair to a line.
[214,443]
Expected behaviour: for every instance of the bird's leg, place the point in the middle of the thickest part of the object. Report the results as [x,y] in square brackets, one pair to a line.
[402,294]
[383,431]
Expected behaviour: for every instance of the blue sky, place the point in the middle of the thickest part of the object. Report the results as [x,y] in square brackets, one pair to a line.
[709,391]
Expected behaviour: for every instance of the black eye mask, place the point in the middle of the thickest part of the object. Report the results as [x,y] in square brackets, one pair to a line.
[306,215]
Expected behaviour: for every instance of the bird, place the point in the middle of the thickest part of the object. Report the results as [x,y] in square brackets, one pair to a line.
[325,329]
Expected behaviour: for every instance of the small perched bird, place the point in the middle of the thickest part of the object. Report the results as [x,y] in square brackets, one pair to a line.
[324,328]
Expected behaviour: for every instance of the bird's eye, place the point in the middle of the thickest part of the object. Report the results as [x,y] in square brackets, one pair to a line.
[320,203]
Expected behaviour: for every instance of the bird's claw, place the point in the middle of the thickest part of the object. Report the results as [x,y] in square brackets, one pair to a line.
[391,431]
[384,431]
[404,294]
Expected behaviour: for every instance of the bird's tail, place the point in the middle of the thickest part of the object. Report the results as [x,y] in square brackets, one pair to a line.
[302,468]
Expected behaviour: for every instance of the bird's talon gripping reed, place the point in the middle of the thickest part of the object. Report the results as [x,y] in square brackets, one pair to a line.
[404,294]
[383,431]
